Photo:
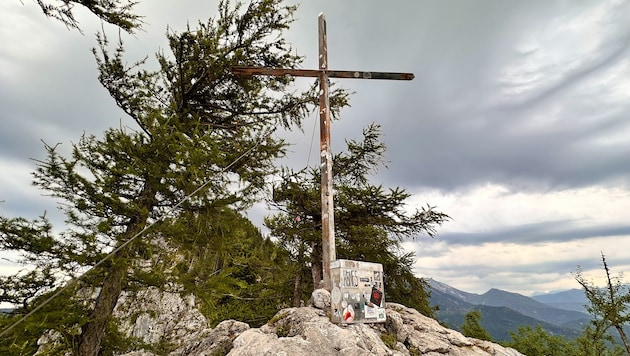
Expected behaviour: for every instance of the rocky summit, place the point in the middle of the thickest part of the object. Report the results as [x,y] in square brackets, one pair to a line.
[167,317]
[307,331]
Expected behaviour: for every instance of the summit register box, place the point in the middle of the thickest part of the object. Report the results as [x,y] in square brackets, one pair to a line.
[358,293]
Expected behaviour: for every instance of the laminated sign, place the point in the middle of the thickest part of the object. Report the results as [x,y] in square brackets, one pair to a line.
[358,293]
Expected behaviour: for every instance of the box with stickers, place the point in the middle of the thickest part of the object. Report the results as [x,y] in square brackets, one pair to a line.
[358,292]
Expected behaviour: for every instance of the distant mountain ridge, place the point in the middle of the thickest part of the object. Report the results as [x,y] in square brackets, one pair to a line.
[573,299]
[503,311]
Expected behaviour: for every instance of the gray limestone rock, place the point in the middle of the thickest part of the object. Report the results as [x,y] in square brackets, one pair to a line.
[320,298]
[307,331]
[158,316]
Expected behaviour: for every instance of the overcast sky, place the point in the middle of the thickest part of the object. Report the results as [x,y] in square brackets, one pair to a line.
[516,124]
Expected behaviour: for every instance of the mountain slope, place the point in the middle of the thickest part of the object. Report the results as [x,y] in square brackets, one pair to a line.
[498,321]
[573,299]
[530,307]
[446,289]
[503,312]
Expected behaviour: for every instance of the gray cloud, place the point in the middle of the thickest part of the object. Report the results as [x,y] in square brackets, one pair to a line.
[548,231]
[446,132]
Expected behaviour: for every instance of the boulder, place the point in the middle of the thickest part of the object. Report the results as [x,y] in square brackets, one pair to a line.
[217,341]
[154,315]
[320,298]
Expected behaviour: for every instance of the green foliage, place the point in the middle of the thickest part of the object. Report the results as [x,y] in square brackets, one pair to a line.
[55,318]
[472,328]
[283,330]
[200,145]
[19,289]
[277,318]
[38,246]
[370,221]
[229,266]
[389,340]
[116,12]
[117,343]
[594,341]
[610,306]
[536,341]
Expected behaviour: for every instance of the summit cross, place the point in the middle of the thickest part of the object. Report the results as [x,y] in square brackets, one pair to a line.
[328,222]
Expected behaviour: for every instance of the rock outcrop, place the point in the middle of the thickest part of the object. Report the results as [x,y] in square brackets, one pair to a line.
[154,316]
[307,331]
[299,331]
[157,317]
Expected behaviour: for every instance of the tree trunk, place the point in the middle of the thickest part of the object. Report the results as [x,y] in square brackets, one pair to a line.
[624,339]
[92,332]
[297,290]
[316,265]
[616,315]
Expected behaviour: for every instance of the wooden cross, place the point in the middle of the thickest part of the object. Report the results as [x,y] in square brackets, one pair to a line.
[328,223]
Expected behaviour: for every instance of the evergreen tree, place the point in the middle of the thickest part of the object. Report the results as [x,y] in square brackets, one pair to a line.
[609,305]
[116,12]
[224,260]
[592,342]
[35,239]
[472,328]
[370,222]
[536,341]
[201,144]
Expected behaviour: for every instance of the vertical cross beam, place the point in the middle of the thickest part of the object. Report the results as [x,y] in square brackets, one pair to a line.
[323,73]
[328,215]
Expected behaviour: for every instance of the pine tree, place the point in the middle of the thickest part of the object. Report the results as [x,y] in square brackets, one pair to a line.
[472,327]
[201,142]
[224,260]
[371,222]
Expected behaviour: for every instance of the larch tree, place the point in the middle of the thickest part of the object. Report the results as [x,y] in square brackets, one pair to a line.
[371,222]
[116,12]
[201,140]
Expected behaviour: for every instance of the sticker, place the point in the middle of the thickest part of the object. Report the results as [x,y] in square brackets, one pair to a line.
[376,297]
[380,314]
[336,295]
[348,314]
[370,313]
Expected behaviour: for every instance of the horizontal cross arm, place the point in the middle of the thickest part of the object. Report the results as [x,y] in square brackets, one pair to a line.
[276,72]
[368,75]
[241,70]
